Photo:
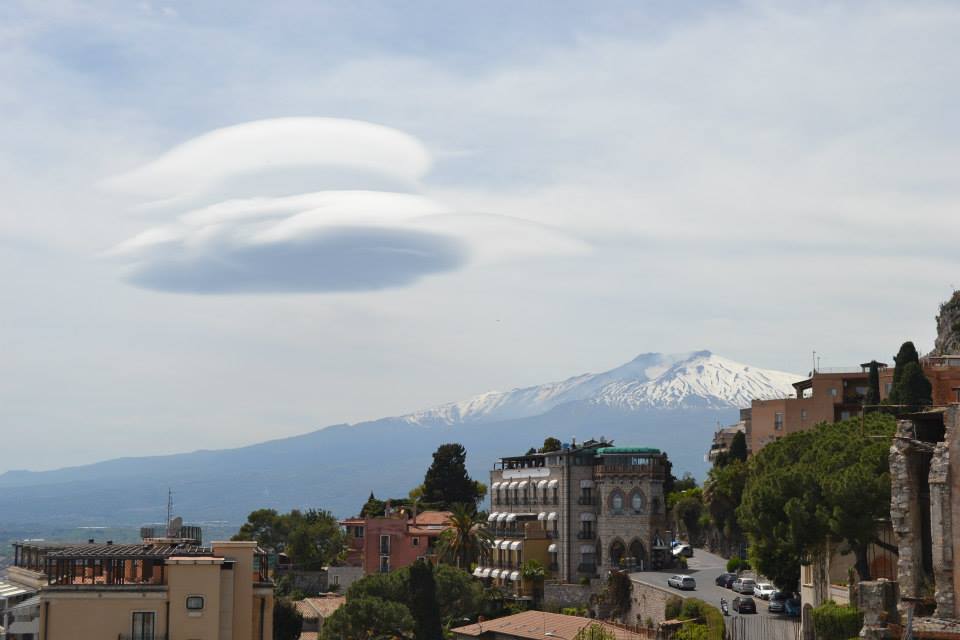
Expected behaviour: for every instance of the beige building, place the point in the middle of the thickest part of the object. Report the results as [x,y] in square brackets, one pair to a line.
[593,506]
[160,589]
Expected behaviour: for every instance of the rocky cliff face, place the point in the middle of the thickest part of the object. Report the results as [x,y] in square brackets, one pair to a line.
[948,327]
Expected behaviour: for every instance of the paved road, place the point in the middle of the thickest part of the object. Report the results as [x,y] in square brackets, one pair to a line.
[704,567]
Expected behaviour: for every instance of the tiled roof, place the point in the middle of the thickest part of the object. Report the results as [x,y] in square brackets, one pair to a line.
[537,625]
[313,608]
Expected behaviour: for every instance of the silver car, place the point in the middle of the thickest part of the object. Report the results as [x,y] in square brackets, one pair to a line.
[682,582]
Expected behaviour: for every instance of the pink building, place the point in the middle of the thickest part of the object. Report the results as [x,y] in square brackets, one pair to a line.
[380,545]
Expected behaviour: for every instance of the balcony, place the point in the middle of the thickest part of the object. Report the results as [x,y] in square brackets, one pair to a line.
[587,567]
[585,535]
[606,470]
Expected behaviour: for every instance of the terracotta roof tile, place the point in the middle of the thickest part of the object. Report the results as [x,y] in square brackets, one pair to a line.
[536,624]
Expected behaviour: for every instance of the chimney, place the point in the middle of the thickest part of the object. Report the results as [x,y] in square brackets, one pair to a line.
[109,541]
[90,540]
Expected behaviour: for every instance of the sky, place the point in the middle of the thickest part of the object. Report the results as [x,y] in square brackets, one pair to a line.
[226,222]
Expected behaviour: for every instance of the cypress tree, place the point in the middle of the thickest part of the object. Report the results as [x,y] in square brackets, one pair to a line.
[906,355]
[738,447]
[423,602]
[446,481]
[873,384]
[914,389]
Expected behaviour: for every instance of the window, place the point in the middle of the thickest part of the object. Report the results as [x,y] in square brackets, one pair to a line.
[956,393]
[778,421]
[385,545]
[844,415]
[889,387]
[616,502]
[833,392]
[803,414]
[144,623]
[358,532]
[195,603]
[416,541]
[336,578]
[384,564]
[636,501]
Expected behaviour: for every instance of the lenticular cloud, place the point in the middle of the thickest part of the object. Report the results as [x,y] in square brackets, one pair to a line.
[320,241]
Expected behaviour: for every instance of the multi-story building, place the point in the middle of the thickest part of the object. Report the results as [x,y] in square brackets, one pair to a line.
[382,544]
[159,589]
[826,396]
[594,506]
[723,437]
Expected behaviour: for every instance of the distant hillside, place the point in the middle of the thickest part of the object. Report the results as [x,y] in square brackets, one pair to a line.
[337,467]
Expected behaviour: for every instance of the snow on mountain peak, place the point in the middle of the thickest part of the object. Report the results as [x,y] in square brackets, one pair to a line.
[651,380]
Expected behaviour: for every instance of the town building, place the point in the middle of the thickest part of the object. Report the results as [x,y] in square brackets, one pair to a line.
[393,541]
[316,611]
[168,588]
[943,372]
[723,437]
[826,396]
[537,625]
[594,506]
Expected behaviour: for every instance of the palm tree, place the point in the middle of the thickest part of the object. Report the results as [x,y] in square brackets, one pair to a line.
[465,540]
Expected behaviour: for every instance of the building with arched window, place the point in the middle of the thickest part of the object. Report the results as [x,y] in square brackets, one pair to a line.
[599,506]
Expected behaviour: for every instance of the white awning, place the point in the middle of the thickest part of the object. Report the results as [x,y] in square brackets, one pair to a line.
[552,516]
[492,516]
[496,543]
[587,517]
[515,576]
[586,484]
[495,573]
[542,515]
[504,544]
[495,486]
[542,484]
[511,517]
[553,484]
[552,548]
[478,572]
[513,485]
[522,484]
[515,545]
[485,574]
[502,516]
[587,548]
[9,590]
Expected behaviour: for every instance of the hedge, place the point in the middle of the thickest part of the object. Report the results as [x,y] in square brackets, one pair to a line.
[835,622]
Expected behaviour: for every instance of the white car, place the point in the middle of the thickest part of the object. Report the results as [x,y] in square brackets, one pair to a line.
[682,582]
[764,590]
[682,549]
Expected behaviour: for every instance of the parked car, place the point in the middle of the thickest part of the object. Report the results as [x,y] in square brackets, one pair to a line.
[764,590]
[682,582]
[725,579]
[744,604]
[744,585]
[792,607]
[778,601]
[684,550]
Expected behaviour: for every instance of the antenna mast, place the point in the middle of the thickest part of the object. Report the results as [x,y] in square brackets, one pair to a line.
[169,512]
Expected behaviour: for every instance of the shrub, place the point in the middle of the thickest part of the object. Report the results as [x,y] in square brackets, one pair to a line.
[835,622]
[737,564]
[702,614]
[671,610]
[693,632]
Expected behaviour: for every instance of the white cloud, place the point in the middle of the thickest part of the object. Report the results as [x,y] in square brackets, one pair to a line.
[338,240]
[204,162]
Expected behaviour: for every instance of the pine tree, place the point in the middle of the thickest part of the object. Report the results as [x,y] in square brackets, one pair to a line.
[446,481]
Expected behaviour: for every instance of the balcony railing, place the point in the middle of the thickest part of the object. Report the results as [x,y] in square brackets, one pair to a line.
[587,500]
[587,567]
[604,470]
[141,636]
[585,535]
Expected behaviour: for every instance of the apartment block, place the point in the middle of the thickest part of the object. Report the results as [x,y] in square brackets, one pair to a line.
[159,589]
[592,506]
[826,396]
[943,372]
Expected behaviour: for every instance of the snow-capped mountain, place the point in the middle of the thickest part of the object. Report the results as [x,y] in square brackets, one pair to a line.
[699,379]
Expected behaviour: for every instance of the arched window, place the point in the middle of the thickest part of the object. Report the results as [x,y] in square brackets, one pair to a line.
[636,502]
[616,501]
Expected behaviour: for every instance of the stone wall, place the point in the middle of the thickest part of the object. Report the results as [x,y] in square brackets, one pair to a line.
[647,602]
[559,596]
